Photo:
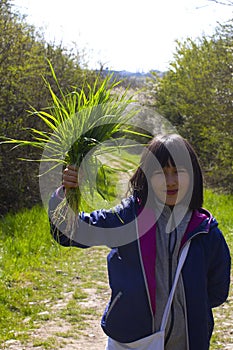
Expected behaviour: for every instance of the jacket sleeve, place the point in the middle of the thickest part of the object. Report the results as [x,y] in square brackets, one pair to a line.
[58,231]
[100,227]
[219,268]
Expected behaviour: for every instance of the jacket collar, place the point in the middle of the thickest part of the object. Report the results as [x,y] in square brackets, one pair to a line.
[200,220]
[199,223]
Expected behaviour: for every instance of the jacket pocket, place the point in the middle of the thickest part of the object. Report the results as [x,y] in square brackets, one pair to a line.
[112,304]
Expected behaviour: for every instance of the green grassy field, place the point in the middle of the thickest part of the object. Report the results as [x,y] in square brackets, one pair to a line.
[36,272]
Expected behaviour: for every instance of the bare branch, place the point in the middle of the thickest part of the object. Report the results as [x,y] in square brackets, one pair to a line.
[223,2]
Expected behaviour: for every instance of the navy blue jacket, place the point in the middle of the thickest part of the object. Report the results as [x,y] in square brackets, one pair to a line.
[128,316]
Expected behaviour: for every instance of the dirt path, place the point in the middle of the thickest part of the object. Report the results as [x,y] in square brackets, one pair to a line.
[96,340]
[60,334]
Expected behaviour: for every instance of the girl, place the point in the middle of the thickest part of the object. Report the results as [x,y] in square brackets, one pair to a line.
[147,234]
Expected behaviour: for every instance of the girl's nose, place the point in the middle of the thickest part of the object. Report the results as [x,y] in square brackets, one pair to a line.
[171,179]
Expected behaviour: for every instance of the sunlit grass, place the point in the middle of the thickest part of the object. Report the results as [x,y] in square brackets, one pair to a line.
[220,205]
[36,272]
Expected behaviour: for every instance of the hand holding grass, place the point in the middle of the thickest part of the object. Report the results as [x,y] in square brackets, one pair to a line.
[70,177]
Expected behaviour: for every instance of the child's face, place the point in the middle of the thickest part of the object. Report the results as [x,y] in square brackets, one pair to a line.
[170,185]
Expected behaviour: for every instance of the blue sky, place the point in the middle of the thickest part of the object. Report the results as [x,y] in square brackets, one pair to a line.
[124,34]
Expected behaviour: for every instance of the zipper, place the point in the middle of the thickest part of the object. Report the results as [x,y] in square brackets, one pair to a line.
[171,249]
[172,306]
[185,304]
[185,314]
[119,294]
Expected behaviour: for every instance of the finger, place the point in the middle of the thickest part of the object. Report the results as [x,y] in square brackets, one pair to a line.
[72,167]
[70,174]
[70,183]
[70,178]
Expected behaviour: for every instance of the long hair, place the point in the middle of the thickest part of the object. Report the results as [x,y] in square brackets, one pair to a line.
[162,151]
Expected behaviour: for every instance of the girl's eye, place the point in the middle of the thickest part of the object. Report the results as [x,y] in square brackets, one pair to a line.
[158,172]
[181,170]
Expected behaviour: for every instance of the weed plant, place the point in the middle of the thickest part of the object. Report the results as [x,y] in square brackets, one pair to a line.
[81,124]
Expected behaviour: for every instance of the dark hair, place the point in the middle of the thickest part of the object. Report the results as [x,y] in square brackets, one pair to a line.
[164,150]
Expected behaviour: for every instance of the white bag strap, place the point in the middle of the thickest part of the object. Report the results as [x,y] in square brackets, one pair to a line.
[171,295]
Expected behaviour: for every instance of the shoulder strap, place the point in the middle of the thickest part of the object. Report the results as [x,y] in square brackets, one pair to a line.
[171,295]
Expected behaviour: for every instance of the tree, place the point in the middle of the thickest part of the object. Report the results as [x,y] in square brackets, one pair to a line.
[196,96]
[23,64]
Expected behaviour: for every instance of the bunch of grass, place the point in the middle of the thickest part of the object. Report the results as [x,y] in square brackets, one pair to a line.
[75,124]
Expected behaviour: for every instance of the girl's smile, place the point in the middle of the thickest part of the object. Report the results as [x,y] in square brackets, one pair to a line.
[172,192]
